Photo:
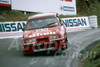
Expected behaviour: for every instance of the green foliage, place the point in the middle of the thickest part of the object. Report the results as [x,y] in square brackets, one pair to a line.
[6,14]
[88,8]
[92,57]
[12,16]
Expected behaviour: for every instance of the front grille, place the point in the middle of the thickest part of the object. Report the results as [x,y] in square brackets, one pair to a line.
[42,39]
[44,46]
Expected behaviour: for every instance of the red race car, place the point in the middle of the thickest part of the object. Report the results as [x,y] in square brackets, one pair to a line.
[44,32]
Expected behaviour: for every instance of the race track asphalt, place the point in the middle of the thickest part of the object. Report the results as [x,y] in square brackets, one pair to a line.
[13,56]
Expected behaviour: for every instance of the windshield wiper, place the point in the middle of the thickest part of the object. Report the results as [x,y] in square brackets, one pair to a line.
[33,28]
[49,24]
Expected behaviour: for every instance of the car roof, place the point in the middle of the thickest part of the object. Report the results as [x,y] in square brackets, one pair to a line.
[42,15]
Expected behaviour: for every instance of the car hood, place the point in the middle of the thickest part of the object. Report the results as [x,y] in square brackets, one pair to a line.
[42,32]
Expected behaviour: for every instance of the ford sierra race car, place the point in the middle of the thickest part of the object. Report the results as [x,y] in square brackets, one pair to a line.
[44,32]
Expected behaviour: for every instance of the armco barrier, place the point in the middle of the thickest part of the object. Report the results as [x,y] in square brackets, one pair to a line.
[14,29]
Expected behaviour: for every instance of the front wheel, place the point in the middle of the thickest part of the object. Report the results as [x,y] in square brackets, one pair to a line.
[66,40]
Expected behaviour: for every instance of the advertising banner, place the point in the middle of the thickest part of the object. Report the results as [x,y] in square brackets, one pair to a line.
[11,29]
[65,7]
[5,3]
[76,23]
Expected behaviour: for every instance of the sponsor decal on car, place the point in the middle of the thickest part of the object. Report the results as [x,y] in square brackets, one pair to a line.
[41,34]
[41,29]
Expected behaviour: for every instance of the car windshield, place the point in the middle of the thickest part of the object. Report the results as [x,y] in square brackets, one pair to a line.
[41,22]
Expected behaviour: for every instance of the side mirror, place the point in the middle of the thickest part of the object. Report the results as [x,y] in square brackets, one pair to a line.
[57,15]
[22,29]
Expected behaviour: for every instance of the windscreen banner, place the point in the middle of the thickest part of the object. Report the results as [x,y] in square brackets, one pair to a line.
[76,23]
[65,7]
[5,3]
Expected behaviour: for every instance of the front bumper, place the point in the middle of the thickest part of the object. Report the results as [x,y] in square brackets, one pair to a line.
[44,46]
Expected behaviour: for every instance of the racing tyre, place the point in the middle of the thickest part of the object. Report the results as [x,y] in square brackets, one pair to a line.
[66,40]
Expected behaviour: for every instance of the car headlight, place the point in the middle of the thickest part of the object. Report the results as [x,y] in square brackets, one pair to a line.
[27,40]
[33,40]
[54,37]
[30,40]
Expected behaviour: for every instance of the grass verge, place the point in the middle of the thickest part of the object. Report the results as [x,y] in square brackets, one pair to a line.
[6,14]
[92,57]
